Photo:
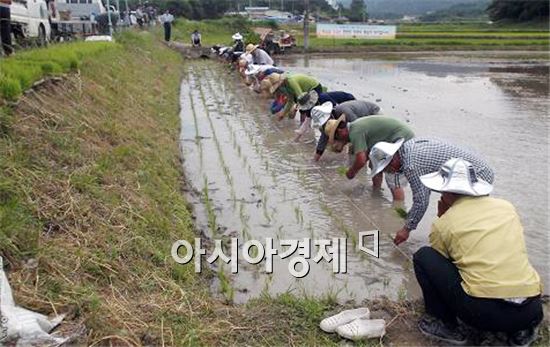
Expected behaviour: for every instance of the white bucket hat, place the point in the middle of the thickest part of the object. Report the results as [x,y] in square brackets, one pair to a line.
[321,114]
[307,100]
[382,153]
[252,69]
[457,176]
[237,36]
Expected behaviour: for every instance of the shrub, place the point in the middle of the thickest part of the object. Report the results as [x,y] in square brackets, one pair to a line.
[10,89]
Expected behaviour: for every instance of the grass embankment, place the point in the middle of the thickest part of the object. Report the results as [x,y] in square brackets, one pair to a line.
[90,195]
[91,201]
[19,72]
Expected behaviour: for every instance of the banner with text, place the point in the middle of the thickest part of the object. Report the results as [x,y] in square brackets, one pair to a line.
[357,31]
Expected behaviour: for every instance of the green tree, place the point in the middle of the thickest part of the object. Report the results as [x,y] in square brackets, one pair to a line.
[518,10]
[357,11]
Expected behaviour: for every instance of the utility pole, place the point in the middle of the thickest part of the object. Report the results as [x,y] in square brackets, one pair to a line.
[127,17]
[306,25]
[109,18]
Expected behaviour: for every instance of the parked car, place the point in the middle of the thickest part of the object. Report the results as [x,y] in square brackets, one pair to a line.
[29,21]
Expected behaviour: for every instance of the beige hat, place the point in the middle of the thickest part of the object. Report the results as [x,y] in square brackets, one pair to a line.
[457,176]
[276,79]
[332,125]
[251,48]
[265,85]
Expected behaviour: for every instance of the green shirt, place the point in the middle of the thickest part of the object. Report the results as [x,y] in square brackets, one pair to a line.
[367,131]
[294,86]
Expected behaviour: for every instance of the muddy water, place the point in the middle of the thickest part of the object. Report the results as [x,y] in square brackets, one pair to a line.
[260,183]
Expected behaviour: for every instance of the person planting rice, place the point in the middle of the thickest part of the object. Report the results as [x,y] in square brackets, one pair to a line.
[363,134]
[259,56]
[293,86]
[256,73]
[313,99]
[417,157]
[476,267]
[352,109]
[238,44]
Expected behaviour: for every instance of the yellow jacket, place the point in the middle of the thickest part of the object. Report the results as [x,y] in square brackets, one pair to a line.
[483,237]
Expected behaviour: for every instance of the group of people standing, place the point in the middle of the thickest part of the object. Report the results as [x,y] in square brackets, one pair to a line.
[476,270]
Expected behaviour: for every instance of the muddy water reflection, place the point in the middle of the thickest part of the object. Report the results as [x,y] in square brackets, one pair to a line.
[262,184]
[499,109]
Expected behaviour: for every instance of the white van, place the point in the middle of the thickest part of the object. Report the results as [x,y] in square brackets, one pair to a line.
[29,19]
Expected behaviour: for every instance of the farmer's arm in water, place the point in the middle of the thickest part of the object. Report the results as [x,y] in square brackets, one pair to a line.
[360,161]
[421,200]
[289,106]
[321,146]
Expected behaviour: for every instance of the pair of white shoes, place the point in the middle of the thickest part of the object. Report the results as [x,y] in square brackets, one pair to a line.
[354,324]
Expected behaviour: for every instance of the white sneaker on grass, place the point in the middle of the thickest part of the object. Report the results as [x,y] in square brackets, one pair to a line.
[362,329]
[330,324]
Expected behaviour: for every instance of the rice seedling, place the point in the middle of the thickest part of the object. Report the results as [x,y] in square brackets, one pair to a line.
[243,216]
[225,286]
[400,211]
[264,207]
[342,170]
[211,215]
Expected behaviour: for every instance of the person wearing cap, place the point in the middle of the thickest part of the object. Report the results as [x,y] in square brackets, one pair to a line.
[476,267]
[363,134]
[415,158]
[259,56]
[352,109]
[293,86]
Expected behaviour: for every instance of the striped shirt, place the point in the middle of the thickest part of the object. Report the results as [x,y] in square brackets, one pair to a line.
[420,156]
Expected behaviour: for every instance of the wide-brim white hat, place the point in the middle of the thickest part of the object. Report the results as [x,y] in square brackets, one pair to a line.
[457,176]
[382,153]
[252,69]
[237,36]
[321,114]
[306,101]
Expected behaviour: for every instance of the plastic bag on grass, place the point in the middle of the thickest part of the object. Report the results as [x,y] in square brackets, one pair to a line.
[22,327]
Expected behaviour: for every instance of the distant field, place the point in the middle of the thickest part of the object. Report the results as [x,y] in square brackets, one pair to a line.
[475,36]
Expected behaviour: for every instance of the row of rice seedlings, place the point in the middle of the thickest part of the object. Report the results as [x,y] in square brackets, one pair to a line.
[217,144]
[211,215]
[225,285]
[348,231]
[250,136]
[198,141]
[265,210]
[246,234]
[299,215]
[243,216]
